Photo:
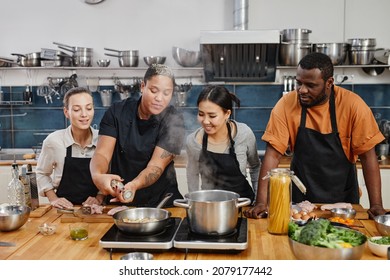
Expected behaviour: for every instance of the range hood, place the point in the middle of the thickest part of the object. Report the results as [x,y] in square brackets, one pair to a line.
[240,55]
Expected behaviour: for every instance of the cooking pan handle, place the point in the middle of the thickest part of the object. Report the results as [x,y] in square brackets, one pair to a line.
[164,200]
[63,45]
[107,49]
[181,203]
[18,54]
[243,201]
[73,51]
[109,54]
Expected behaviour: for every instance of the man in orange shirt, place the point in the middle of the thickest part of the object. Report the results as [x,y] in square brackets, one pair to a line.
[328,128]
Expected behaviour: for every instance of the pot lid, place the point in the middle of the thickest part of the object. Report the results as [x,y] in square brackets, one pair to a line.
[382,55]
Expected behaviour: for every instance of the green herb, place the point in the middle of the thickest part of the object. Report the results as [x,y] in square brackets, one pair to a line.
[384,240]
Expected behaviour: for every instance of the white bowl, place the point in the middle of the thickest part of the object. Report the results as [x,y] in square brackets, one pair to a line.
[378,249]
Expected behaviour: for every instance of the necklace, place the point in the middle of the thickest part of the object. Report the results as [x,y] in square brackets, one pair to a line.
[141,115]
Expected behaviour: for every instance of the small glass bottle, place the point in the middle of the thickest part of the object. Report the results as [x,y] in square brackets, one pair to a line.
[16,190]
[279,200]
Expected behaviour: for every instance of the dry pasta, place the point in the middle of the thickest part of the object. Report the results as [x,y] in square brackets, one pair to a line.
[279,198]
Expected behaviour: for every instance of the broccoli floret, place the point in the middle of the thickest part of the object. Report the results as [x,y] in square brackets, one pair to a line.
[314,232]
[322,233]
[294,231]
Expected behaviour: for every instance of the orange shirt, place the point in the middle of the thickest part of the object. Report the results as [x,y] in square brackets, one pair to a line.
[356,124]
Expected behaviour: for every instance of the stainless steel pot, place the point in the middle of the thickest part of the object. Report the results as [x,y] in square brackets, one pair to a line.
[158,219]
[362,42]
[6,62]
[295,35]
[29,60]
[125,58]
[361,56]
[212,212]
[336,51]
[82,56]
[290,53]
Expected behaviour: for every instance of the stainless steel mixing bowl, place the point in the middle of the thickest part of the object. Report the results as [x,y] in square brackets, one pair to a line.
[12,217]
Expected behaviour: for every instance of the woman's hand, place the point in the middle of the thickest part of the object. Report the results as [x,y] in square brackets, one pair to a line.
[61,203]
[258,211]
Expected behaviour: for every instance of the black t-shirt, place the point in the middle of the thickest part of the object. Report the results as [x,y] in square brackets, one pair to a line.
[135,143]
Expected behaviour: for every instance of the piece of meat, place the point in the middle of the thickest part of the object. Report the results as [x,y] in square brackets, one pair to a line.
[116,210]
[92,209]
[306,206]
[336,205]
[97,209]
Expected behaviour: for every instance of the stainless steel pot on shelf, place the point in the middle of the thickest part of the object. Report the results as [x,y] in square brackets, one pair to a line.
[361,55]
[336,51]
[82,56]
[362,51]
[29,60]
[125,58]
[291,53]
[295,35]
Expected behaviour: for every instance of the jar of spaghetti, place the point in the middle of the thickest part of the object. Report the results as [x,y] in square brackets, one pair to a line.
[279,200]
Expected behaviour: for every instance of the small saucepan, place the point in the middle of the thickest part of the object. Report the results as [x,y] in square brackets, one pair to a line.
[29,60]
[6,62]
[143,220]
[125,58]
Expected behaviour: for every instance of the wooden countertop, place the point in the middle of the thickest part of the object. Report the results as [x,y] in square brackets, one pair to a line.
[31,245]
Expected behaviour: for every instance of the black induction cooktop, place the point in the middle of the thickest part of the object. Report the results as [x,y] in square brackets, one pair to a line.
[234,241]
[116,239]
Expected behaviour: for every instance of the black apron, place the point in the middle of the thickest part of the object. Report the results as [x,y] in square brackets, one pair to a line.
[136,150]
[321,164]
[76,184]
[222,171]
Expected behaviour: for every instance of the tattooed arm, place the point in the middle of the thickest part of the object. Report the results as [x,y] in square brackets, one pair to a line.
[156,166]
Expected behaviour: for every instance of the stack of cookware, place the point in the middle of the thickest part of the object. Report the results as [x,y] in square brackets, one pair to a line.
[28,60]
[81,56]
[55,58]
[362,51]
[294,46]
[127,58]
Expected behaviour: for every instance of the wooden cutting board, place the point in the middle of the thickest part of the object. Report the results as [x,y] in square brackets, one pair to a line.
[40,211]
[79,216]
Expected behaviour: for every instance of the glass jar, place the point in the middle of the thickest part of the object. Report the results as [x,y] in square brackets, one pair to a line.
[279,200]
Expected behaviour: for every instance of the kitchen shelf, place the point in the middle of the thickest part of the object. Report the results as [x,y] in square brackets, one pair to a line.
[344,66]
[15,103]
[95,68]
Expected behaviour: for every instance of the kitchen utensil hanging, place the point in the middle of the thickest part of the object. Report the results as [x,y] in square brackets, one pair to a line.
[69,83]
[46,91]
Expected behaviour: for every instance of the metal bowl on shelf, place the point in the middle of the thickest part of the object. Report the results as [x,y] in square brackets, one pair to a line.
[103,62]
[149,60]
[336,51]
[186,58]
